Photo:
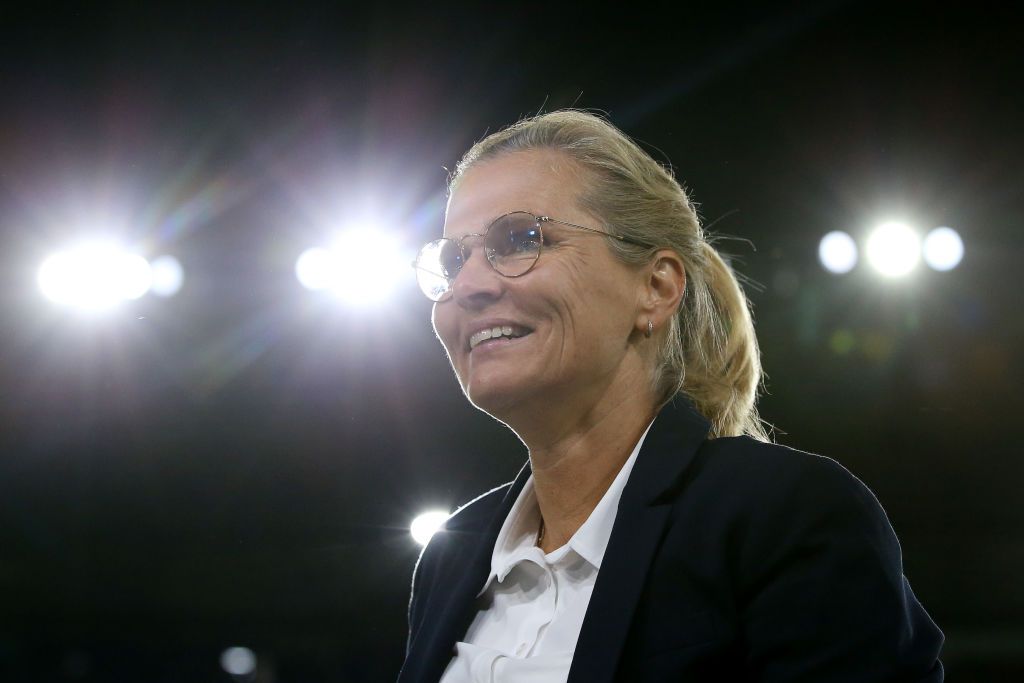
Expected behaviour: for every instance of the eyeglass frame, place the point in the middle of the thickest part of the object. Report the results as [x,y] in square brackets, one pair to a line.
[540,220]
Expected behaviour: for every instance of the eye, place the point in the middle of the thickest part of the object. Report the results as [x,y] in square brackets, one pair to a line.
[526,240]
[450,259]
[513,236]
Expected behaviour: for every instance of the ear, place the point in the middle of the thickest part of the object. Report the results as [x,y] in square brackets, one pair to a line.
[662,291]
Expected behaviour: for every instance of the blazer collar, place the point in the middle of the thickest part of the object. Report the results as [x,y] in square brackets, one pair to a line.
[643,512]
[667,452]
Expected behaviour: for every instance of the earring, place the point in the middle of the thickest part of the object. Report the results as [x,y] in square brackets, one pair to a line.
[650,329]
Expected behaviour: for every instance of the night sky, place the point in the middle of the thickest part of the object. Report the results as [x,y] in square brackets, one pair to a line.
[238,464]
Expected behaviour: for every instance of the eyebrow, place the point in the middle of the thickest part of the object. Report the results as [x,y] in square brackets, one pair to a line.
[483,229]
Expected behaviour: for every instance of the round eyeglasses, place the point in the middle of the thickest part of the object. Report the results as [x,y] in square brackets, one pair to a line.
[512,244]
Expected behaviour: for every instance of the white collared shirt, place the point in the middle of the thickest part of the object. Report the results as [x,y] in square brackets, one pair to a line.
[531,608]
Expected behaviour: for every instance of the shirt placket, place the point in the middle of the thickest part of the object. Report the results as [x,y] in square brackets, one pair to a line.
[542,610]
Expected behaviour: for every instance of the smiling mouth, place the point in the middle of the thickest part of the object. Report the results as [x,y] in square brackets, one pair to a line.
[495,333]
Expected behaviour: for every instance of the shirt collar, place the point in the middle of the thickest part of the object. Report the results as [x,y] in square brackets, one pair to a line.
[517,538]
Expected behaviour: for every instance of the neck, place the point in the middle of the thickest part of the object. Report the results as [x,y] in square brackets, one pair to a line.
[576,463]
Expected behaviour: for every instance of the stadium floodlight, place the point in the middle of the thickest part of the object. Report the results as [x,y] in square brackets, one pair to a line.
[943,249]
[314,268]
[837,252]
[893,249]
[168,276]
[94,276]
[362,267]
[238,661]
[135,278]
[427,524]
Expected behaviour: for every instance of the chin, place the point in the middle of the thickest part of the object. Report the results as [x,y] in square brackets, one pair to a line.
[496,398]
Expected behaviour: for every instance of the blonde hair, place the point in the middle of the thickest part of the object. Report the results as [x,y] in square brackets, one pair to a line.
[710,352]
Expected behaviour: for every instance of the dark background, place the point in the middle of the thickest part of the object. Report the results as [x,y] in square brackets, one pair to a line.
[238,465]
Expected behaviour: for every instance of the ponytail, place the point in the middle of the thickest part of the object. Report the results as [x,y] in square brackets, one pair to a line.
[721,369]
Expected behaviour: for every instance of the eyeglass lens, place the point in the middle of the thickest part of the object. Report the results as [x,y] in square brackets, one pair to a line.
[512,245]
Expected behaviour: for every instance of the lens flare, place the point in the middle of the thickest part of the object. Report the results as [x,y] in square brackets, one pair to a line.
[94,276]
[426,525]
[136,276]
[369,265]
[362,267]
[943,249]
[837,252]
[893,249]
[238,661]
[314,268]
[168,276]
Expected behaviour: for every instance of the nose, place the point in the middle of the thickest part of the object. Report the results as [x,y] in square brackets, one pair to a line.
[477,284]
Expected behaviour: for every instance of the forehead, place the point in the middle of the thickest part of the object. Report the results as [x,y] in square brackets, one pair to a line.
[539,181]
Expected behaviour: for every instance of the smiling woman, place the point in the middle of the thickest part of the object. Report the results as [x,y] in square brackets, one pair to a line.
[573,307]
[654,534]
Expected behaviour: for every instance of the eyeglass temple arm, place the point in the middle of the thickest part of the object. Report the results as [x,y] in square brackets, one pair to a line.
[425,270]
[623,238]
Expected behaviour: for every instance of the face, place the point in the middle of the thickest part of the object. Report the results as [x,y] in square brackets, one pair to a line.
[571,317]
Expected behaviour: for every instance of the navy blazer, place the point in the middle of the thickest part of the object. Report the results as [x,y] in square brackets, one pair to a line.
[729,560]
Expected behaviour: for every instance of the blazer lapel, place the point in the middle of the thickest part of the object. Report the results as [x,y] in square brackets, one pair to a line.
[668,450]
[430,653]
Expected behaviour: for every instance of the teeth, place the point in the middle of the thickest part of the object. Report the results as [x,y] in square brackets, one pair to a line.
[492,333]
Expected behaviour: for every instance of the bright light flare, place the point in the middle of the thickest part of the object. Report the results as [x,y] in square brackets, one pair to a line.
[168,276]
[943,249]
[314,268]
[362,267]
[837,252]
[94,276]
[238,661]
[893,249]
[135,278]
[426,525]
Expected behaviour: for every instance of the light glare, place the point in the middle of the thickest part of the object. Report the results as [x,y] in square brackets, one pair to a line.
[943,249]
[426,525]
[53,278]
[168,276]
[362,267]
[368,266]
[94,276]
[314,268]
[837,252]
[136,276]
[238,661]
[893,249]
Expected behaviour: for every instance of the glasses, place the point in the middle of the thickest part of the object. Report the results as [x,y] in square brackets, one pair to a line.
[512,244]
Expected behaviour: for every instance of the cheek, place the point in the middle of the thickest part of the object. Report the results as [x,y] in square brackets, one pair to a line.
[597,309]
[580,302]
[444,326]
[567,280]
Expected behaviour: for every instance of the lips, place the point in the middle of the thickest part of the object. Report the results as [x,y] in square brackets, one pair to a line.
[502,331]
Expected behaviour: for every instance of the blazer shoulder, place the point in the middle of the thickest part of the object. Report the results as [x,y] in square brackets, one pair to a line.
[813,559]
[467,522]
[477,512]
[447,549]
[774,467]
[781,486]
[781,492]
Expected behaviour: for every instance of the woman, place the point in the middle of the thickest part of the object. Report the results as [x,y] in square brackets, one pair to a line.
[655,534]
